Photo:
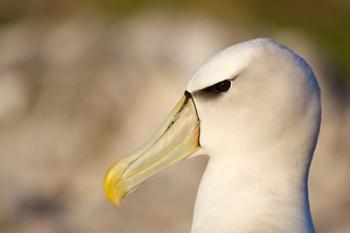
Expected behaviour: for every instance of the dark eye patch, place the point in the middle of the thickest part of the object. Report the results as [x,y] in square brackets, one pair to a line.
[223,86]
[220,87]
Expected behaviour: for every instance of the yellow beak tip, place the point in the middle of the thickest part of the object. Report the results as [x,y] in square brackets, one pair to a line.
[113,194]
[113,188]
[114,201]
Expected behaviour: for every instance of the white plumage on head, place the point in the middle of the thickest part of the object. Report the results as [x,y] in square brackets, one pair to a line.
[255,110]
[260,137]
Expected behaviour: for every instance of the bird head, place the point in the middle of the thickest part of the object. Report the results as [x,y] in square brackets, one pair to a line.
[250,96]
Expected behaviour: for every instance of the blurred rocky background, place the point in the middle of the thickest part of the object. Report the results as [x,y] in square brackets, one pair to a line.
[83,83]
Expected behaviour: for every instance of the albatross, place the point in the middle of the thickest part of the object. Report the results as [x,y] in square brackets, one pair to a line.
[254,109]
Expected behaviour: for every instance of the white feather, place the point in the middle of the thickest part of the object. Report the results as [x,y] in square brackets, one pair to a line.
[260,136]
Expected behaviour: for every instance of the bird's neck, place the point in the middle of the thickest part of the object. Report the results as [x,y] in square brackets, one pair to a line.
[246,197]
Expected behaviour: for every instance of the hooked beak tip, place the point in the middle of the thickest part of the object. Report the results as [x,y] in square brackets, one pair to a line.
[113,186]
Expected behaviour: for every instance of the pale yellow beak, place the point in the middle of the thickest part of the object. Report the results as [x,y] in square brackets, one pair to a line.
[177,139]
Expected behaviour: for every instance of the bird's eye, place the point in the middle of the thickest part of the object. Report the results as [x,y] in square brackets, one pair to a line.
[223,86]
[218,88]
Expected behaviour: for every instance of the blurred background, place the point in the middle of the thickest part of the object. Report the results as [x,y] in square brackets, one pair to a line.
[82,83]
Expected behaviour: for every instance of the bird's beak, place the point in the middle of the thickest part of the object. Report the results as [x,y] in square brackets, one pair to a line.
[177,139]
